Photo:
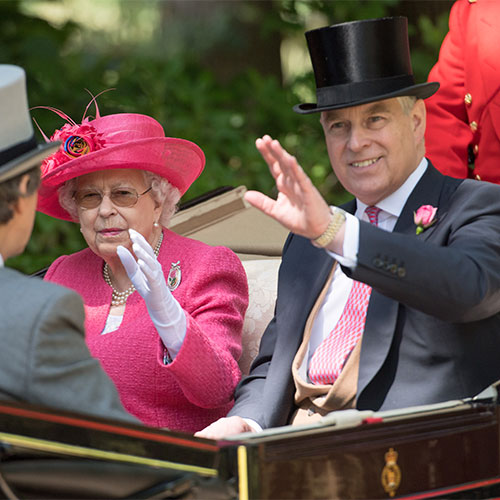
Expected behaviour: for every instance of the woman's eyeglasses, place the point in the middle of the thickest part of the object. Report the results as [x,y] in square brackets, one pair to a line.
[121,197]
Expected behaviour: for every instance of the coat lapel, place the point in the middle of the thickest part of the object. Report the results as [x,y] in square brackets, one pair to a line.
[350,206]
[381,321]
[426,192]
[433,189]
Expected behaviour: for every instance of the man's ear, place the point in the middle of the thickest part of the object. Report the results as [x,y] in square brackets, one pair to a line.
[23,191]
[418,115]
[23,185]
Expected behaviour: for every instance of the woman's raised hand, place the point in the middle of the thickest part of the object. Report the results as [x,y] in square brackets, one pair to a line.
[146,274]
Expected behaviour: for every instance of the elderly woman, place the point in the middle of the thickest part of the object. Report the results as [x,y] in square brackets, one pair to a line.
[164,313]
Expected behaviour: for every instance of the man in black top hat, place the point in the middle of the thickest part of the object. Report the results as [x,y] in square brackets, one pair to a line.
[43,358]
[392,300]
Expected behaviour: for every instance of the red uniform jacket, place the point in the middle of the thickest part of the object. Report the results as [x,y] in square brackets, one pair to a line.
[463,120]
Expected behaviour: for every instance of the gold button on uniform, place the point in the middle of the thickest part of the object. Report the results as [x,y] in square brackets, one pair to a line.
[477,177]
[473,126]
[468,99]
[472,1]
[476,149]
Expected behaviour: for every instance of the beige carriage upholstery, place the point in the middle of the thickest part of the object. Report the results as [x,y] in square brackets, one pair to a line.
[228,220]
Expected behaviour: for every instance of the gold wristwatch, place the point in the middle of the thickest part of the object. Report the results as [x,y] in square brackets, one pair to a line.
[336,221]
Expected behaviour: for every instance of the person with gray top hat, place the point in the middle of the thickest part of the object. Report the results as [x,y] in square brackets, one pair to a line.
[44,359]
[392,300]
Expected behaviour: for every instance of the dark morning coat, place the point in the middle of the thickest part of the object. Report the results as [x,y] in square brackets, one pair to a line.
[432,331]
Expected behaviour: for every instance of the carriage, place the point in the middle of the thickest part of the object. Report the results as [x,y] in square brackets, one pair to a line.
[448,450]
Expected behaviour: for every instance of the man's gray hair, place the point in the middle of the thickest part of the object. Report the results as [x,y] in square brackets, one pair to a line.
[162,192]
[407,102]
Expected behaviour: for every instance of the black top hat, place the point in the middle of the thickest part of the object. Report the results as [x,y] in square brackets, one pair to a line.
[19,151]
[360,62]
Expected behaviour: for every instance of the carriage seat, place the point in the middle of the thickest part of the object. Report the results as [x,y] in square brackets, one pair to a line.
[262,275]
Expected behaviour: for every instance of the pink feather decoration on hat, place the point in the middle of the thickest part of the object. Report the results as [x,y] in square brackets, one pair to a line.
[77,139]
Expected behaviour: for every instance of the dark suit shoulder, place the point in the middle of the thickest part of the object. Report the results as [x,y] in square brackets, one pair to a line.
[480,187]
[452,186]
[479,197]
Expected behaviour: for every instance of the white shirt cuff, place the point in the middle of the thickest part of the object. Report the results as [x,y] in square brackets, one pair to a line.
[351,243]
[253,424]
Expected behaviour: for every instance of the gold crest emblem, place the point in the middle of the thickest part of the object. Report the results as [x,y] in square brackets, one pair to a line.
[391,474]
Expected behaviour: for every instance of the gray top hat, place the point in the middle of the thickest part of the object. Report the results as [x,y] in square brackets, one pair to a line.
[360,62]
[19,151]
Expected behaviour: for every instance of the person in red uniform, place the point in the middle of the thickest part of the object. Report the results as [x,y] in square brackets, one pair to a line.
[463,118]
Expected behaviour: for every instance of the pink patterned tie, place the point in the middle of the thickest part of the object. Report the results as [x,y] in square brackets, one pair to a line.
[329,358]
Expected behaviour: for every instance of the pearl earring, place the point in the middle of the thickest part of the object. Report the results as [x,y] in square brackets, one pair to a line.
[155,224]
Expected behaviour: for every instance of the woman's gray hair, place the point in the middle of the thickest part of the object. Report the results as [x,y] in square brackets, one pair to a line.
[66,200]
[162,192]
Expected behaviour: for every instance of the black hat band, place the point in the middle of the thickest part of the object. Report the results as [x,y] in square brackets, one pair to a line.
[352,92]
[18,150]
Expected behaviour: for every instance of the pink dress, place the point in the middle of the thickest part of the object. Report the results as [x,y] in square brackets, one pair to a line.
[197,387]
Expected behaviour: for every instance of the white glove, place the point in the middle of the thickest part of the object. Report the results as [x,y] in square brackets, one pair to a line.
[147,276]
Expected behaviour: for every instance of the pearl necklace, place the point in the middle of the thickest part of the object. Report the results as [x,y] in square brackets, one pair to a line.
[119,298]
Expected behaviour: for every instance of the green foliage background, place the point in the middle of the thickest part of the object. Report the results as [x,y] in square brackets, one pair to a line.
[183,90]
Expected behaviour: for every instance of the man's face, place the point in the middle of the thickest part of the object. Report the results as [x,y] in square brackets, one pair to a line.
[374,147]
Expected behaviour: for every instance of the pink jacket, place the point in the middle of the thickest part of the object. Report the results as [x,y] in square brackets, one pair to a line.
[197,387]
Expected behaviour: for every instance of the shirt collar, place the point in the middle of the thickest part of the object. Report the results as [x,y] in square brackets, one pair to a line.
[395,202]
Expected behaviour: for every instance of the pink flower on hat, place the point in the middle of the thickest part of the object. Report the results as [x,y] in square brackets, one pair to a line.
[424,217]
[77,140]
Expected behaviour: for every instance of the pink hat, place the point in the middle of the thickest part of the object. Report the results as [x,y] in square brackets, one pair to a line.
[122,140]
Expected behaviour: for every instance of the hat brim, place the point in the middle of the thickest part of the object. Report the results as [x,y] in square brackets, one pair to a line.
[177,160]
[27,161]
[421,91]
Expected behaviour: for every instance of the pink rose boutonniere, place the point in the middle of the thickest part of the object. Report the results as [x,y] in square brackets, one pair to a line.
[424,217]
